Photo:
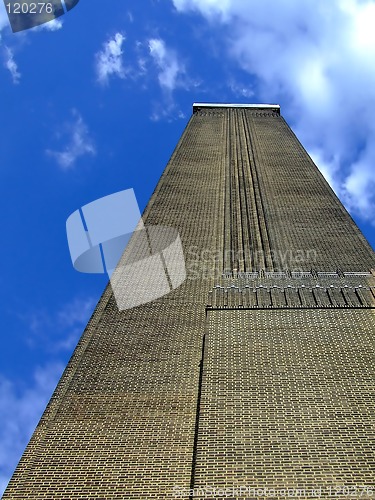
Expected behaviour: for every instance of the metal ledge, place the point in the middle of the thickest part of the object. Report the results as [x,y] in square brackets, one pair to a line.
[199,105]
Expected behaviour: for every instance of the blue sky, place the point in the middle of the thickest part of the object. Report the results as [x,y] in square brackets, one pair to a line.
[95,102]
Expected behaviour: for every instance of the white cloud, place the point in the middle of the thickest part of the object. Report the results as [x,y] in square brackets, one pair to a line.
[9,62]
[7,53]
[240,89]
[3,17]
[109,61]
[60,330]
[80,143]
[209,8]
[54,25]
[11,65]
[21,406]
[142,65]
[170,68]
[20,411]
[76,311]
[328,168]
[359,186]
[317,61]
[171,75]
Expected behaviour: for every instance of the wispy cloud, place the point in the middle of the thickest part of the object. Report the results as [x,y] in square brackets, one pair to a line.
[54,25]
[11,65]
[241,89]
[61,329]
[8,54]
[170,68]
[150,59]
[317,62]
[20,411]
[22,406]
[171,74]
[109,61]
[79,143]
[3,17]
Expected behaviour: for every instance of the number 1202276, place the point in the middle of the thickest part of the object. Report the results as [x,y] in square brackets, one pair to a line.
[29,8]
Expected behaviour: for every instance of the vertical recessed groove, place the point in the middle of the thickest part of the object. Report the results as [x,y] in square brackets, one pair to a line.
[302,302]
[220,263]
[346,301]
[265,229]
[238,189]
[330,298]
[315,297]
[227,202]
[233,194]
[244,201]
[356,292]
[196,432]
[268,259]
[243,197]
[269,253]
[258,250]
[230,191]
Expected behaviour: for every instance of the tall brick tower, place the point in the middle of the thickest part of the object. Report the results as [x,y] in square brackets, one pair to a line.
[256,376]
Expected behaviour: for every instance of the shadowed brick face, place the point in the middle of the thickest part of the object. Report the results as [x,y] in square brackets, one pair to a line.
[257,372]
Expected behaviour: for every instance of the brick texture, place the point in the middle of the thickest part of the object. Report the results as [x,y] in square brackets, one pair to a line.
[257,370]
